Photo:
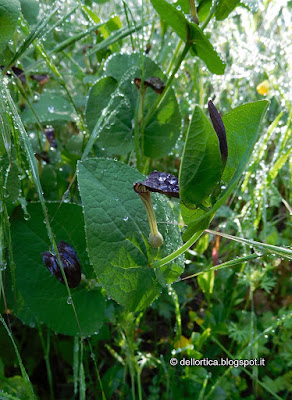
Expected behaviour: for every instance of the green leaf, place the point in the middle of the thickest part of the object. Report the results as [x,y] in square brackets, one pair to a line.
[41,291]
[9,13]
[242,131]
[163,129]
[224,8]
[242,124]
[190,33]
[278,165]
[117,231]
[116,136]
[14,385]
[51,107]
[183,5]
[30,10]
[201,164]
[203,9]
[98,98]
[206,281]
[113,24]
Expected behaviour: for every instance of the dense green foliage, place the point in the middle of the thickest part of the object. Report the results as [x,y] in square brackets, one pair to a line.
[80,124]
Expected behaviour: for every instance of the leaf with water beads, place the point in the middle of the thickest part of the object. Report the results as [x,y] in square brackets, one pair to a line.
[71,264]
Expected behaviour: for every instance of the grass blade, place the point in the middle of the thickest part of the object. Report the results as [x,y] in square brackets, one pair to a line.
[21,366]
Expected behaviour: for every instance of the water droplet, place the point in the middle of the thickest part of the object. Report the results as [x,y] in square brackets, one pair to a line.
[26,216]
[69,300]
[51,109]
[3,266]
[125,218]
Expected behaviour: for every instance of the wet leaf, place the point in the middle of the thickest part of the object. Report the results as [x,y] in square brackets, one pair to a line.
[190,33]
[9,13]
[41,291]
[201,164]
[117,231]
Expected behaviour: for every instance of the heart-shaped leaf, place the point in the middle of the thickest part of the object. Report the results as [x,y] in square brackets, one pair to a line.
[201,164]
[45,296]
[117,231]
[117,136]
[50,107]
[242,131]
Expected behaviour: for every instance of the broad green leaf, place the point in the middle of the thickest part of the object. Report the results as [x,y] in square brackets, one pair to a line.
[201,164]
[224,8]
[51,107]
[98,98]
[9,13]
[41,291]
[183,5]
[197,218]
[203,9]
[117,231]
[190,33]
[116,137]
[30,10]
[242,131]
[241,124]
[162,131]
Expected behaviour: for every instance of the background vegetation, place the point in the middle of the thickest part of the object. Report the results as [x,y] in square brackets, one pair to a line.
[52,55]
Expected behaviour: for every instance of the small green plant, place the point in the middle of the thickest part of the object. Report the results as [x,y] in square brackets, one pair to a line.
[95,101]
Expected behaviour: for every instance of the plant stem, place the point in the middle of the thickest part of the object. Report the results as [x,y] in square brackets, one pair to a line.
[137,137]
[179,251]
[161,97]
[174,297]
[128,22]
[174,57]
[193,10]
[46,350]
[209,16]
